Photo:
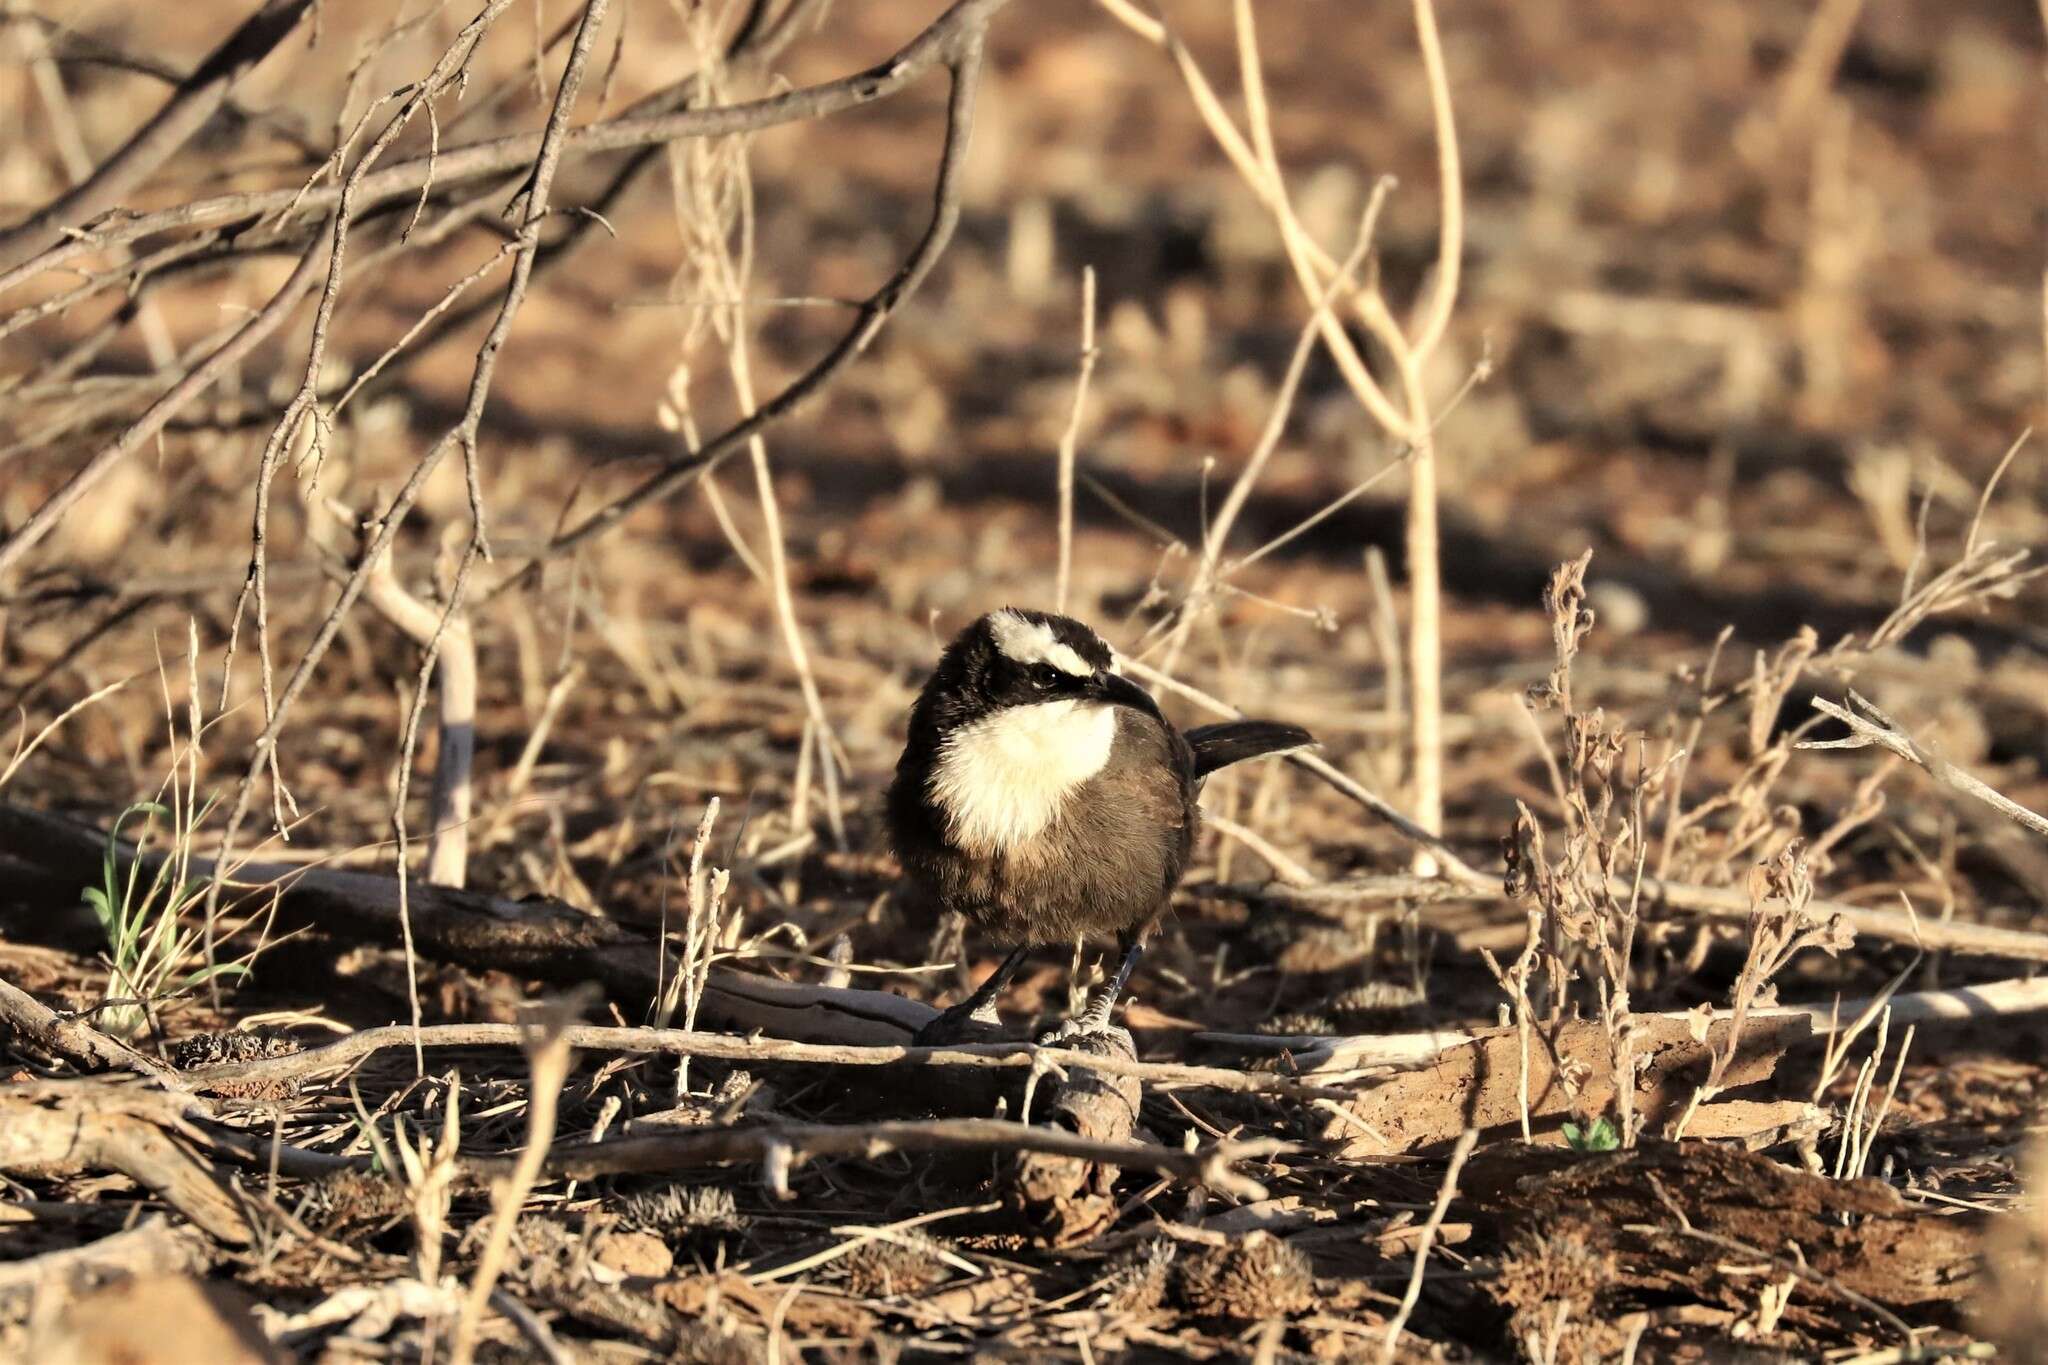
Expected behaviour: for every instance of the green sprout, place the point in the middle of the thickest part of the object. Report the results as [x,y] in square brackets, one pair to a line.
[1598,1136]
[153,954]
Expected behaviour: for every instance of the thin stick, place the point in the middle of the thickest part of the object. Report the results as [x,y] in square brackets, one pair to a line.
[1445,1193]
[1070,439]
[753,1050]
[1882,731]
[190,107]
[548,1054]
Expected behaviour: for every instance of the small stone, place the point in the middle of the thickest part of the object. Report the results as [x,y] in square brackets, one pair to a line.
[639,1255]
[158,1319]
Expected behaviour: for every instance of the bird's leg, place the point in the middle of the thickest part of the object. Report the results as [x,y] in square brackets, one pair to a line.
[978,1011]
[1095,1019]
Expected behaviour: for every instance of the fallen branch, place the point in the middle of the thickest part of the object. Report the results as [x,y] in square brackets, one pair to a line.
[752,1050]
[784,1144]
[78,1043]
[35,1140]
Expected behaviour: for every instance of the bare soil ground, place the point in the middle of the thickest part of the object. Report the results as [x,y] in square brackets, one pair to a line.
[1751,307]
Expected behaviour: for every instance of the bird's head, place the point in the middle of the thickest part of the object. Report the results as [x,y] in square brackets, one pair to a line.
[1017,657]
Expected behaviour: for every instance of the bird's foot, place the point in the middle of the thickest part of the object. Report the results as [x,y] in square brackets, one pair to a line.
[1089,1026]
[961,1024]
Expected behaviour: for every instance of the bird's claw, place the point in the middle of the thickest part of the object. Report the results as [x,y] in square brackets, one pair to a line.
[1087,1027]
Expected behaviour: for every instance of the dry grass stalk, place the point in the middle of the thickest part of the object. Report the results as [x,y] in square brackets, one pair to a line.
[1411,420]
[714,210]
[547,1053]
[704,928]
[1445,1193]
[1070,440]
[1869,726]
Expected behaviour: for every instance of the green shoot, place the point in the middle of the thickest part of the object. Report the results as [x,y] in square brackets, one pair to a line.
[1598,1136]
[153,954]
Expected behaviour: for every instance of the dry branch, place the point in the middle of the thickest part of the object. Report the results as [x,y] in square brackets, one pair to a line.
[1874,727]
[751,1050]
[195,101]
[79,1043]
[778,1144]
[938,45]
[195,382]
[40,1141]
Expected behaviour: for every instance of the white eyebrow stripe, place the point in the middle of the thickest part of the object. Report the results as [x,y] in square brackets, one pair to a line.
[1033,642]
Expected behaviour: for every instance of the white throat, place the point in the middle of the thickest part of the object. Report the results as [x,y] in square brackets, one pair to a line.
[1002,780]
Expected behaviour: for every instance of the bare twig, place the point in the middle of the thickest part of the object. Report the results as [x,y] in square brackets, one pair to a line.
[547,1052]
[195,382]
[1874,727]
[1070,439]
[939,44]
[195,101]
[1445,1193]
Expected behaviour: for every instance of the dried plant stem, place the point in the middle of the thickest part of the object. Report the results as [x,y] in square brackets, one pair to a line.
[190,107]
[1445,1193]
[826,738]
[752,1050]
[1874,727]
[455,678]
[1070,439]
[1208,573]
[1449,866]
[173,400]
[548,1055]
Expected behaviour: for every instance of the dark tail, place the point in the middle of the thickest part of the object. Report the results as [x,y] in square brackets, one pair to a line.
[1234,741]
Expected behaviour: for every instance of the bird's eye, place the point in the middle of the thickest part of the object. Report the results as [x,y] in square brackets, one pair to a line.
[1044,677]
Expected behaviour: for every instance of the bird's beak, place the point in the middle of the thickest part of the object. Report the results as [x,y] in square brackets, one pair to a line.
[1118,690]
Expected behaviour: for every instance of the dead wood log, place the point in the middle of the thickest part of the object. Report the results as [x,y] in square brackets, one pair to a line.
[1064,1198]
[1569,1071]
[779,1146]
[538,938]
[40,1141]
[1672,1212]
[47,1031]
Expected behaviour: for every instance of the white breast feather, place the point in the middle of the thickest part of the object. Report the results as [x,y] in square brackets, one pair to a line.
[1002,780]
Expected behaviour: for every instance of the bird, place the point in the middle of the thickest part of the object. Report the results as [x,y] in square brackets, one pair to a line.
[1042,795]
